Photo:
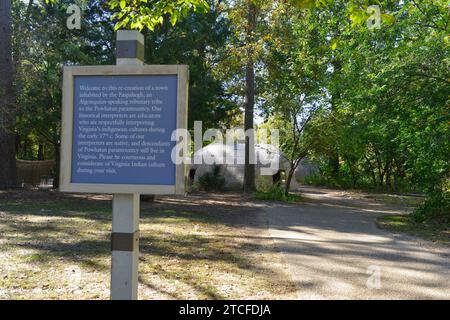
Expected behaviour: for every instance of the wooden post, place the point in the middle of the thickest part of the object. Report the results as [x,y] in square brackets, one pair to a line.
[125,247]
[125,217]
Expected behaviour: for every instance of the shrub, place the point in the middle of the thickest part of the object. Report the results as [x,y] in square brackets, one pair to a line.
[276,193]
[212,181]
[435,208]
[264,183]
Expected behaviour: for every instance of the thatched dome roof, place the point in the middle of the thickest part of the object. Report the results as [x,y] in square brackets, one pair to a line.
[218,154]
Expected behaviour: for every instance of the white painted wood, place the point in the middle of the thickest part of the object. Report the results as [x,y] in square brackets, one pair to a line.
[67,128]
[124,35]
[124,275]
[117,188]
[126,209]
[153,69]
[129,61]
[182,98]
[124,264]
[125,213]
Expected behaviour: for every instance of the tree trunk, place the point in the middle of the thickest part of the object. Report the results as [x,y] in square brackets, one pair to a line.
[57,154]
[381,178]
[8,174]
[388,178]
[293,166]
[249,168]
[353,174]
[40,151]
[288,180]
[380,170]
[372,172]
[333,160]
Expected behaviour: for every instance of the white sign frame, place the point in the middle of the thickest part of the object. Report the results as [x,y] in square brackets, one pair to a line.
[182,73]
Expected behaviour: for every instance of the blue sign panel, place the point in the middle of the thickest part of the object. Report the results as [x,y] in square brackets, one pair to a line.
[122,127]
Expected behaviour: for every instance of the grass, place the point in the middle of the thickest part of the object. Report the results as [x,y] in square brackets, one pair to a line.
[58,247]
[433,231]
[276,194]
[397,199]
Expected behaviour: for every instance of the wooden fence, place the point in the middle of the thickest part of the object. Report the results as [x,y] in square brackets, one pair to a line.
[34,172]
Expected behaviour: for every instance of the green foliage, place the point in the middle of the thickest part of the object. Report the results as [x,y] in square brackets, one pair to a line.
[146,14]
[41,46]
[436,208]
[342,181]
[293,93]
[388,115]
[140,14]
[195,41]
[212,181]
[264,183]
[276,193]
[357,11]
[379,98]
[198,41]
[310,4]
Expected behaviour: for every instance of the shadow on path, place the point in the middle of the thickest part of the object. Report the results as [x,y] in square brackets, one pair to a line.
[335,251]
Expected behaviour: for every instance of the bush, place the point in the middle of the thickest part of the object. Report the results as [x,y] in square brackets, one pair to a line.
[264,183]
[212,181]
[276,193]
[315,179]
[435,208]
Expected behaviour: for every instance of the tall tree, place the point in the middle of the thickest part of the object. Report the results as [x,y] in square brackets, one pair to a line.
[293,86]
[197,40]
[393,99]
[240,67]
[249,167]
[132,14]
[8,175]
[38,71]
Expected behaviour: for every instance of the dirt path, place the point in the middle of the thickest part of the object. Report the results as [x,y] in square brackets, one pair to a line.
[214,246]
[335,251]
[203,246]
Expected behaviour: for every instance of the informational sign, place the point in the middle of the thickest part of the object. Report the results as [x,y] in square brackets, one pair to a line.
[117,128]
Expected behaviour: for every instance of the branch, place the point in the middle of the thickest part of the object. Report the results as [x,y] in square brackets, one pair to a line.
[425,15]
[416,74]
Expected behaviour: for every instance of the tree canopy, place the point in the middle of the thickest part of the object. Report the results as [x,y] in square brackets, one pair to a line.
[367,102]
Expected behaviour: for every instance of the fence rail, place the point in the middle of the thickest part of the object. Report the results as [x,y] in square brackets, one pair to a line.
[34,172]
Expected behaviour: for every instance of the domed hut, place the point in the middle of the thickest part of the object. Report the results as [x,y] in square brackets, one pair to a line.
[229,161]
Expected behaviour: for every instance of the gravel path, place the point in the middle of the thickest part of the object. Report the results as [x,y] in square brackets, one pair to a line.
[335,251]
